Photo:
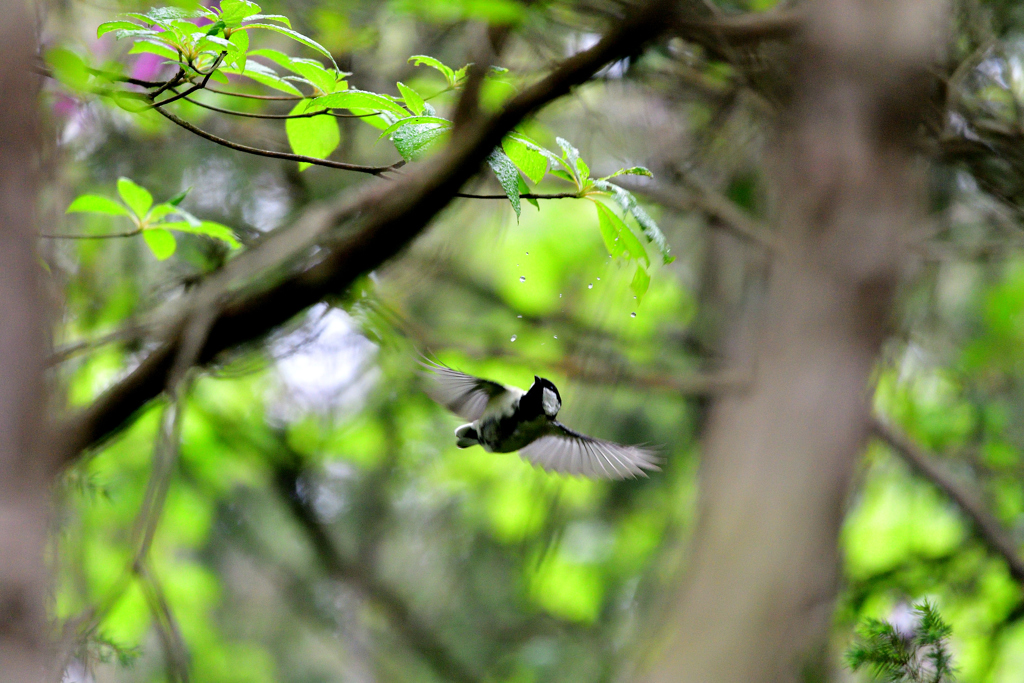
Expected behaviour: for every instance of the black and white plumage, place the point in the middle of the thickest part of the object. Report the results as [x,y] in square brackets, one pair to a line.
[506,419]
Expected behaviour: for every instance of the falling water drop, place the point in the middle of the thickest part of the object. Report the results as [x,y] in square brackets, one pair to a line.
[590,286]
[527,253]
[513,338]
[632,315]
[598,279]
[517,265]
[559,296]
[556,336]
[519,316]
[522,278]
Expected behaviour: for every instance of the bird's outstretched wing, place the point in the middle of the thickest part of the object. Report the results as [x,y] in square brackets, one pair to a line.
[568,451]
[460,393]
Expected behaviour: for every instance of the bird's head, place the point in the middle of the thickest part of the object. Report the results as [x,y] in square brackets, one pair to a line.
[544,392]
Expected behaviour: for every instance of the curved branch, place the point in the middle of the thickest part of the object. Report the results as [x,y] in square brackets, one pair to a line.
[278,98]
[248,115]
[372,170]
[989,529]
[561,195]
[103,236]
[365,230]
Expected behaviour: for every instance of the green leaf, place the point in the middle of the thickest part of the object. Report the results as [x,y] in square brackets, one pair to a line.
[523,189]
[418,60]
[633,170]
[240,39]
[414,142]
[315,136]
[413,101]
[217,231]
[178,198]
[570,154]
[69,68]
[108,26]
[641,281]
[460,75]
[160,211]
[559,173]
[130,101]
[360,99]
[153,47]
[161,242]
[135,196]
[627,201]
[163,15]
[413,120]
[507,175]
[264,76]
[617,236]
[315,73]
[94,203]
[276,56]
[530,161]
[271,17]
[296,36]
[582,170]
[232,12]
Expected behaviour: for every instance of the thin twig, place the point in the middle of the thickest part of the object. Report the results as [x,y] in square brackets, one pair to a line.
[199,86]
[562,195]
[248,115]
[372,170]
[101,236]
[925,464]
[276,98]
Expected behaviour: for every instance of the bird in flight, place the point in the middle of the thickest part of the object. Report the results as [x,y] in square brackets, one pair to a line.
[506,419]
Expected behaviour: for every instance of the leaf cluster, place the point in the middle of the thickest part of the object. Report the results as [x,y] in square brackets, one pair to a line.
[157,224]
[892,655]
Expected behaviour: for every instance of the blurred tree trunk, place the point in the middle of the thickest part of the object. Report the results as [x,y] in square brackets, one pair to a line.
[23,470]
[758,597]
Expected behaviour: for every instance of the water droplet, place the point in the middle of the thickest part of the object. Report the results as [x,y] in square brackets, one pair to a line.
[527,253]
[517,265]
[634,298]
[513,338]
[556,336]
[559,296]
[632,315]
[519,316]
[616,239]
[598,279]
[590,286]
[522,278]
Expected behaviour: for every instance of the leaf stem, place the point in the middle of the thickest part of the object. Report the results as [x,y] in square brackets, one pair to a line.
[561,195]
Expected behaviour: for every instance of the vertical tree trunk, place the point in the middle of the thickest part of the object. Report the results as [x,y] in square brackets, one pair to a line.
[778,459]
[23,470]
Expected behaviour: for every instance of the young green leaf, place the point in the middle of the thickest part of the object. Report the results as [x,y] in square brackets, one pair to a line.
[641,281]
[415,141]
[616,233]
[159,212]
[240,39]
[523,190]
[135,196]
[314,72]
[633,170]
[161,242]
[413,120]
[627,201]
[530,161]
[94,203]
[271,17]
[507,175]
[570,154]
[217,231]
[418,60]
[153,47]
[233,12]
[582,171]
[108,26]
[178,198]
[69,68]
[413,101]
[294,35]
[350,99]
[264,76]
[315,136]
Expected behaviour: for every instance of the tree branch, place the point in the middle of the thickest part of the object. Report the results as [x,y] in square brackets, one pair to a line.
[989,530]
[378,222]
[372,170]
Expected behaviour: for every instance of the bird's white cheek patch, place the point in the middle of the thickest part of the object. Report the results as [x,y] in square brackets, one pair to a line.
[551,403]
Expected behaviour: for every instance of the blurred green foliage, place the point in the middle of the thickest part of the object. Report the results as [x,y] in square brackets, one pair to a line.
[319,523]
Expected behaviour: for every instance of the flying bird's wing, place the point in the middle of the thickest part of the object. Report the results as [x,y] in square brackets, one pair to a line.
[568,451]
[460,393]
